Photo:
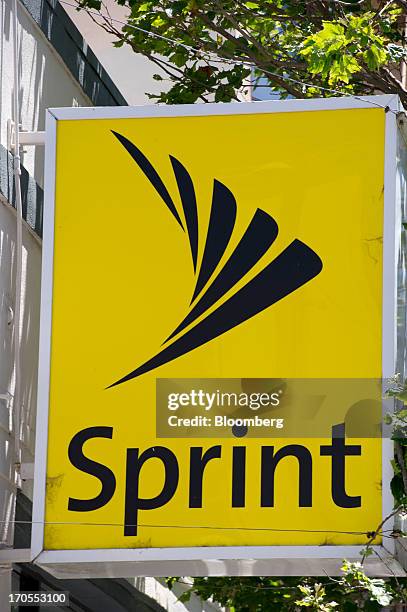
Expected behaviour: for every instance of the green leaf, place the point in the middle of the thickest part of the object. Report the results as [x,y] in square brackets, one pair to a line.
[144,7]
[184,597]
[375,57]
[179,58]
[158,22]
[397,488]
[402,395]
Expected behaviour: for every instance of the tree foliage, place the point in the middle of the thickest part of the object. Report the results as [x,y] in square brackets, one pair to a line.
[208,49]
[351,592]
[398,420]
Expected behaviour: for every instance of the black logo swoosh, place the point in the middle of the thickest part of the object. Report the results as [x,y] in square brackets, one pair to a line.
[296,265]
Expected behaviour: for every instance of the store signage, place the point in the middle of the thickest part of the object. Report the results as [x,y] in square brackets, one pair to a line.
[200,263]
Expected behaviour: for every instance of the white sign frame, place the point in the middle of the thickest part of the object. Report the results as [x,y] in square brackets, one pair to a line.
[231,560]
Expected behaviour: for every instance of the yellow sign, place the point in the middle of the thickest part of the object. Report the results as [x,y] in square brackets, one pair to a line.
[213,246]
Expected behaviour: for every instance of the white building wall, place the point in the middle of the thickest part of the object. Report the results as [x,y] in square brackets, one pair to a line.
[29,333]
[44,82]
[132,72]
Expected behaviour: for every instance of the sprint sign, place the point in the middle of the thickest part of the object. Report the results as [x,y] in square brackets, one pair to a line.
[201,263]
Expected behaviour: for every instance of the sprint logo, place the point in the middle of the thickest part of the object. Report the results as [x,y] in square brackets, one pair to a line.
[296,265]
